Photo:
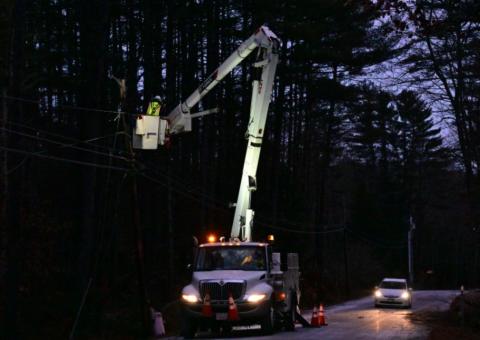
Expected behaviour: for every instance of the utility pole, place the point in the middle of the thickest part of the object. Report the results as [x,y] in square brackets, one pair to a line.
[4,174]
[410,250]
[139,248]
[345,256]
[171,244]
[345,248]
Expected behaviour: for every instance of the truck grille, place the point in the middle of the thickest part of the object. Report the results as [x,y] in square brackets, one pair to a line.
[222,291]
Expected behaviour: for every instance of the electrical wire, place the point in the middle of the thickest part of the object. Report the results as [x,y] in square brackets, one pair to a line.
[71,107]
[222,206]
[62,144]
[80,308]
[257,220]
[103,218]
[181,192]
[180,184]
[66,160]
[14,168]
[189,195]
[178,187]
[77,141]
[295,231]
[276,227]
[88,142]
[375,242]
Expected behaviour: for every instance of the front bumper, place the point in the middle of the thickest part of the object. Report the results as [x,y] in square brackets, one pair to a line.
[247,311]
[384,301]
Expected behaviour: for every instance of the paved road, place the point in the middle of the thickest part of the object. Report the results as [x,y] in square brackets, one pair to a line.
[358,319]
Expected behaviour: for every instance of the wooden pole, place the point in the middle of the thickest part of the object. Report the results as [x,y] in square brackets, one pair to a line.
[137,227]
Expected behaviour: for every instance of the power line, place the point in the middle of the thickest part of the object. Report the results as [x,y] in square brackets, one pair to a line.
[259,221]
[72,107]
[222,206]
[77,141]
[88,141]
[179,187]
[374,242]
[62,144]
[15,167]
[307,232]
[191,190]
[189,195]
[181,192]
[66,160]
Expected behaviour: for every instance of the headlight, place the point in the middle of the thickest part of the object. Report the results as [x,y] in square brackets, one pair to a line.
[190,298]
[378,294]
[256,297]
[405,295]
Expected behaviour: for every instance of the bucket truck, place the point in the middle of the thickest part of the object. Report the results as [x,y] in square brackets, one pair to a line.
[236,272]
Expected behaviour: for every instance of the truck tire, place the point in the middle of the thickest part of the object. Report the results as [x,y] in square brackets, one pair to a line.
[189,328]
[215,327]
[268,321]
[226,329]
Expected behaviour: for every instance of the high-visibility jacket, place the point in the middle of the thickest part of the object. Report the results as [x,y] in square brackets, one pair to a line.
[154,108]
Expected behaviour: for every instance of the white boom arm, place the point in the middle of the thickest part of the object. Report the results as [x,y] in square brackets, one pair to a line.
[180,118]
[151,130]
[261,94]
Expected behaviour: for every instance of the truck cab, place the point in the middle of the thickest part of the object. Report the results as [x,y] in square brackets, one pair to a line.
[248,272]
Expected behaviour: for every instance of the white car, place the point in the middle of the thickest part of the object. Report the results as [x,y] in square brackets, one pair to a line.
[393,292]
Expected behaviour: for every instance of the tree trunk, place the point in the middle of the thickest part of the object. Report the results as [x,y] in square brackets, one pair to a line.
[93,17]
[14,189]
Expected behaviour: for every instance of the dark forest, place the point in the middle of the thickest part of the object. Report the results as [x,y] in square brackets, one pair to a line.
[374,123]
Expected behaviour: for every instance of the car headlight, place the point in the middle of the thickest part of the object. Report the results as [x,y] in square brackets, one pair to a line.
[256,297]
[378,294]
[190,298]
[405,295]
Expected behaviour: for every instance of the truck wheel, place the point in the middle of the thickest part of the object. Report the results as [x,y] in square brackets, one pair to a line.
[226,329]
[215,327]
[189,328]
[268,321]
[290,316]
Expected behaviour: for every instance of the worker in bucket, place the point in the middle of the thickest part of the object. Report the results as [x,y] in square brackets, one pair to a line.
[154,106]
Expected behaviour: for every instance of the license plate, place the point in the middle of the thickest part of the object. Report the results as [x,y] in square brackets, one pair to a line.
[221,316]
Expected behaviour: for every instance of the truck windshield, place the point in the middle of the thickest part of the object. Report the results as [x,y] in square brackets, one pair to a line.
[393,285]
[231,258]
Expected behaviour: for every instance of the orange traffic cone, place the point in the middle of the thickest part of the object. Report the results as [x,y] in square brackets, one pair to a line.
[207,310]
[315,322]
[321,317]
[232,309]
